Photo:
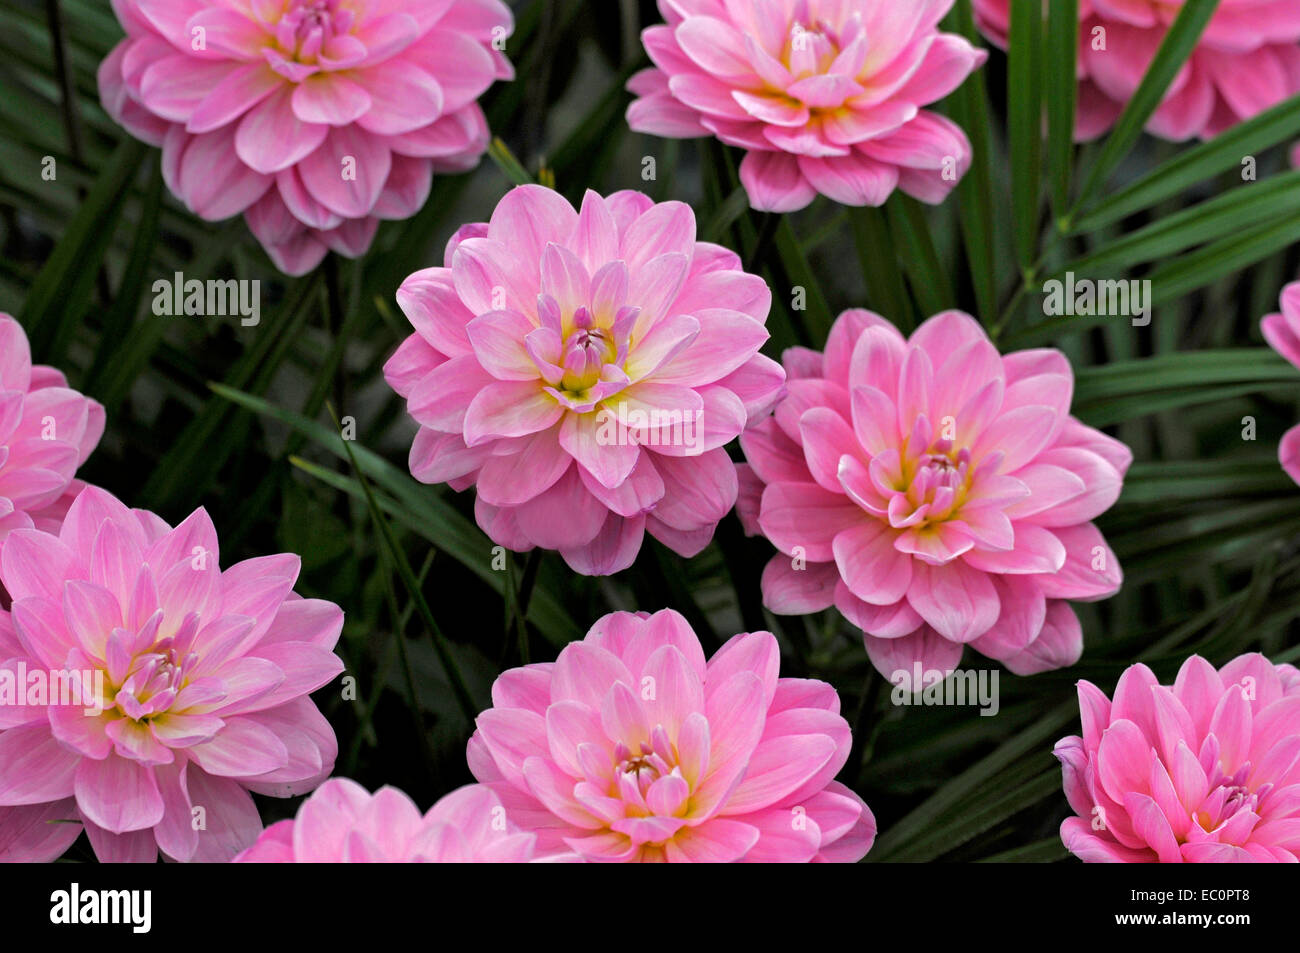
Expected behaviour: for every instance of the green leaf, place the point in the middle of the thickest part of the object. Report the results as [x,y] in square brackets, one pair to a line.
[1223,216]
[1203,267]
[145,338]
[1186,368]
[1168,481]
[191,464]
[976,818]
[1175,49]
[117,323]
[1126,390]
[927,276]
[1216,535]
[1025,125]
[817,316]
[935,744]
[595,138]
[395,557]
[733,207]
[425,512]
[1044,851]
[61,292]
[1238,629]
[510,167]
[1121,409]
[984,781]
[886,292]
[1225,151]
[969,108]
[1061,85]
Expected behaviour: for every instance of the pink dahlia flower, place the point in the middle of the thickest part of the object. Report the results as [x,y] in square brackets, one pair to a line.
[1282,331]
[314,118]
[583,370]
[191,684]
[826,95]
[46,432]
[1205,771]
[631,747]
[936,493]
[343,823]
[1247,61]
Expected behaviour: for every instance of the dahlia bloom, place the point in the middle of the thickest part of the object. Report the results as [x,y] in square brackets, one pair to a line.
[192,683]
[1282,331]
[1205,771]
[936,493]
[343,823]
[313,118]
[1246,61]
[583,370]
[630,747]
[46,432]
[826,95]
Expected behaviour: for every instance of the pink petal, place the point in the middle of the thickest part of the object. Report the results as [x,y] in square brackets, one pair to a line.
[509,409]
[271,137]
[959,602]
[118,795]
[775,182]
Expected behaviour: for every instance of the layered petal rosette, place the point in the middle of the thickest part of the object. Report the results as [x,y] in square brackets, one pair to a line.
[1204,771]
[1282,331]
[631,747]
[826,96]
[937,493]
[47,431]
[180,687]
[583,371]
[1247,60]
[314,118]
[343,823]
